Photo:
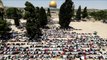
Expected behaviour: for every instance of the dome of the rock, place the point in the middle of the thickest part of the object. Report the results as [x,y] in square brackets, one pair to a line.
[53,4]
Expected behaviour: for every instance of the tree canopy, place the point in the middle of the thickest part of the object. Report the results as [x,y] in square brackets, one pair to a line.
[65,13]
[15,14]
[43,17]
[4,27]
[99,15]
[78,14]
[33,21]
[85,13]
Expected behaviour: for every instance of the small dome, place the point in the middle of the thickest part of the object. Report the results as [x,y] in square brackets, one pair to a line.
[53,4]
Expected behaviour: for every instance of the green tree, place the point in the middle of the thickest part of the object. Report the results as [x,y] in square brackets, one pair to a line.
[43,17]
[33,29]
[78,14]
[73,11]
[93,14]
[85,13]
[33,23]
[30,10]
[15,14]
[102,14]
[26,15]
[99,15]
[4,27]
[65,14]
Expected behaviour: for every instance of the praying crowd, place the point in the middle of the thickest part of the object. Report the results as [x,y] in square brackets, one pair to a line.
[55,43]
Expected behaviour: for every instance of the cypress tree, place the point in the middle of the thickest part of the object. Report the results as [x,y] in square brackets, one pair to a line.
[65,13]
[84,13]
[78,14]
[73,11]
[43,17]
[33,24]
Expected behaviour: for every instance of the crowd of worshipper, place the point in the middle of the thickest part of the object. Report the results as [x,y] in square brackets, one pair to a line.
[55,43]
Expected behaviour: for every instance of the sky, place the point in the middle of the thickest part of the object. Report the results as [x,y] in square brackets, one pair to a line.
[91,4]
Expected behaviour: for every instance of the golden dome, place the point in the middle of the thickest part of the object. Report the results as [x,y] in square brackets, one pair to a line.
[53,4]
